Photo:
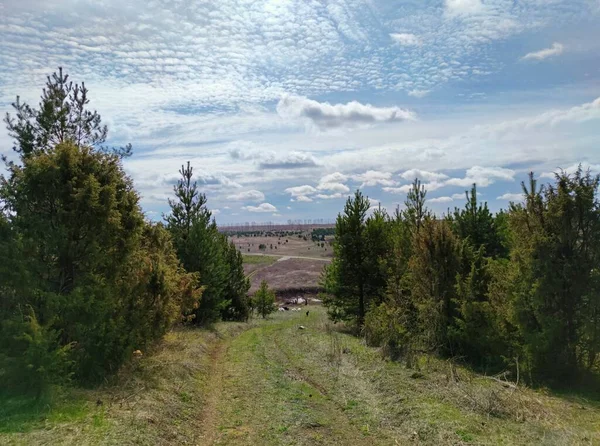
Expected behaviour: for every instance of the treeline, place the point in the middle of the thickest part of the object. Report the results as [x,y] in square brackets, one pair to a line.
[518,290]
[85,279]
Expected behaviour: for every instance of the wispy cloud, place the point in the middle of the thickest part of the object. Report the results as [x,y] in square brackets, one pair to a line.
[406,39]
[555,50]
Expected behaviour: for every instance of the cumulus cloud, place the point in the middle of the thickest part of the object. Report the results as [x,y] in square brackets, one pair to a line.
[406,39]
[555,50]
[292,160]
[374,177]
[423,175]
[263,207]
[482,176]
[249,195]
[303,198]
[327,116]
[511,197]
[297,191]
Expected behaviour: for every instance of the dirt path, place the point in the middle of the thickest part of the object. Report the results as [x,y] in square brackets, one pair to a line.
[215,385]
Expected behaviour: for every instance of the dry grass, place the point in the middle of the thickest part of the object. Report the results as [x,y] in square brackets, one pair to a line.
[289,273]
[293,247]
[270,383]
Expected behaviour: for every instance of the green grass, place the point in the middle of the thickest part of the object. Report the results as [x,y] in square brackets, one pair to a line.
[271,383]
[259,260]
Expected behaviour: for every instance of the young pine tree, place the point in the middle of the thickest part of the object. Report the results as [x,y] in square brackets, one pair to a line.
[263,300]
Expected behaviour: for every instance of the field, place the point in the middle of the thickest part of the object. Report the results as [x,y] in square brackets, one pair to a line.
[270,383]
[283,246]
[289,274]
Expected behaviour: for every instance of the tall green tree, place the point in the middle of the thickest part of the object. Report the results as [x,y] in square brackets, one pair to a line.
[556,253]
[356,278]
[200,246]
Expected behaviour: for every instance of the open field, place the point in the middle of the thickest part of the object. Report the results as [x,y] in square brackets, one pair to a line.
[253,263]
[269,383]
[289,273]
[290,246]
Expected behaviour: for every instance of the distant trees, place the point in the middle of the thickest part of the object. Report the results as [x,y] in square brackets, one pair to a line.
[520,286]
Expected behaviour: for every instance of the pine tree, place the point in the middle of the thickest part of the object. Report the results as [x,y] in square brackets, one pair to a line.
[62,117]
[200,246]
[263,300]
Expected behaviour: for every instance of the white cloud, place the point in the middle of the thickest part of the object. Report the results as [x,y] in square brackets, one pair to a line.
[406,39]
[336,177]
[482,176]
[327,116]
[330,197]
[263,207]
[398,190]
[373,178]
[440,200]
[459,196]
[297,191]
[419,93]
[463,6]
[215,212]
[292,160]
[555,50]
[249,195]
[511,197]
[423,175]
[303,198]
[593,168]
[334,187]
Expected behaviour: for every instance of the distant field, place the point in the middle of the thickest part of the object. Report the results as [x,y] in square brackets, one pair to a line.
[289,274]
[253,263]
[285,246]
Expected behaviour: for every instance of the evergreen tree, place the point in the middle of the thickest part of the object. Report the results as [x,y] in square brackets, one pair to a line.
[264,300]
[236,289]
[477,224]
[356,279]
[62,117]
[200,246]
[557,250]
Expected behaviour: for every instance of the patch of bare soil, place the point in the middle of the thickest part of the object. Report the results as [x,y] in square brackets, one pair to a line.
[289,274]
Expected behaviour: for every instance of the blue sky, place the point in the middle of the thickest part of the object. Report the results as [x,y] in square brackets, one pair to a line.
[285,107]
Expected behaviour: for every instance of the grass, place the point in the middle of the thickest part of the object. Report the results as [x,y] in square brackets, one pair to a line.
[272,383]
[258,260]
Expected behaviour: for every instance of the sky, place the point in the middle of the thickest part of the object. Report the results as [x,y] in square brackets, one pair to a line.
[286,107]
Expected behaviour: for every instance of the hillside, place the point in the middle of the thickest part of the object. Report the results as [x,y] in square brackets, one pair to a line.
[269,382]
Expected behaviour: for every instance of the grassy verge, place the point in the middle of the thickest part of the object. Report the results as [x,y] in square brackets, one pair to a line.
[274,383]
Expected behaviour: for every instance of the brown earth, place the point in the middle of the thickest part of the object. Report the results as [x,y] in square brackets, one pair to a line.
[293,273]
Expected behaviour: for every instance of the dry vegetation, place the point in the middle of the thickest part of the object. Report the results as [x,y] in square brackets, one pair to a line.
[291,273]
[270,383]
[284,246]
